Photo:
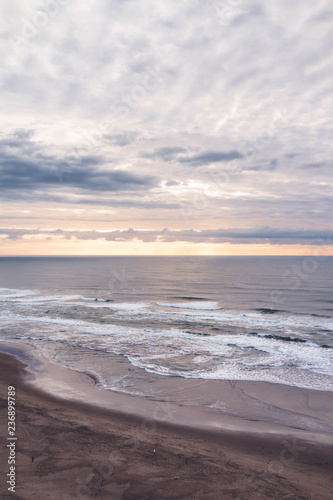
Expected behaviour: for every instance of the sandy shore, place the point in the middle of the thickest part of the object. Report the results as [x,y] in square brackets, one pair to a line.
[71,450]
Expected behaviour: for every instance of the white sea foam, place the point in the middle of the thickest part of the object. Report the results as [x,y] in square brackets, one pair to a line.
[33,296]
[129,306]
[166,350]
[9,294]
[117,306]
[204,311]
[282,323]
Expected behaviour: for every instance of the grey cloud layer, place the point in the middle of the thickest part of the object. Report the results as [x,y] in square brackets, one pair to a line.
[25,169]
[238,236]
[176,154]
[211,157]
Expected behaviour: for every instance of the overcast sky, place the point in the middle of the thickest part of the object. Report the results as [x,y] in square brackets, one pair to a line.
[166,127]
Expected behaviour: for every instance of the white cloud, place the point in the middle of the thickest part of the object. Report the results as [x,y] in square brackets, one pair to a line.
[131,81]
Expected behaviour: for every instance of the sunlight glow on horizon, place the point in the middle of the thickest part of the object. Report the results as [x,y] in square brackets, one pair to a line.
[59,247]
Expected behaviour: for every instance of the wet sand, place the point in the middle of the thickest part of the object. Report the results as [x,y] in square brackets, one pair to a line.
[68,449]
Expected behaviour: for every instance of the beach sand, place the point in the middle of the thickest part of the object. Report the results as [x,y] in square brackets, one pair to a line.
[68,449]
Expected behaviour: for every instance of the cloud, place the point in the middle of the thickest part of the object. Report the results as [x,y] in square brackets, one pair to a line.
[235,236]
[211,157]
[18,138]
[166,154]
[121,139]
[28,175]
[24,173]
[313,165]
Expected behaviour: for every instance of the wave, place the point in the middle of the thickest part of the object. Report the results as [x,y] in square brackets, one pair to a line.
[126,307]
[93,299]
[193,312]
[199,306]
[187,353]
[201,334]
[190,298]
[280,337]
[270,343]
[267,310]
[320,316]
[33,296]
[11,293]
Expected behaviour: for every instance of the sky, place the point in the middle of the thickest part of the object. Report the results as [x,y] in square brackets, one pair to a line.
[166,127]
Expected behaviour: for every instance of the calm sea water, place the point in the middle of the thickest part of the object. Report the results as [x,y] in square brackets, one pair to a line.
[222,318]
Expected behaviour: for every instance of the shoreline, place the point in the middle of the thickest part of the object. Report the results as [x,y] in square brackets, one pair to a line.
[86,451]
[251,407]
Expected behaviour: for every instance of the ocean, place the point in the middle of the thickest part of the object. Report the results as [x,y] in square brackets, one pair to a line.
[127,321]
